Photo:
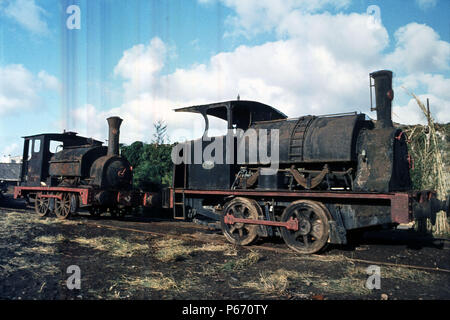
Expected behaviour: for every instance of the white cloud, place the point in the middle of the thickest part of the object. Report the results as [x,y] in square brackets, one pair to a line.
[20,89]
[256,16]
[140,66]
[412,114]
[28,14]
[48,81]
[419,49]
[431,86]
[426,4]
[349,37]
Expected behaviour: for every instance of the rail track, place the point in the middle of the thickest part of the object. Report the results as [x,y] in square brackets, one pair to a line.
[203,238]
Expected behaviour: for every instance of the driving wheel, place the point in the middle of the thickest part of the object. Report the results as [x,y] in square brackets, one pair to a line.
[241,233]
[41,206]
[313,229]
[62,206]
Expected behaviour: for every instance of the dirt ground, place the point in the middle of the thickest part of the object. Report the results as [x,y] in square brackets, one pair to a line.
[122,264]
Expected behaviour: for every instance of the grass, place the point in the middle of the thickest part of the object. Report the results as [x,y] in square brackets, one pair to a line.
[50,239]
[40,250]
[172,250]
[272,282]
[155,281]
[115,246]
[242,263]
[168,250]
[280,281]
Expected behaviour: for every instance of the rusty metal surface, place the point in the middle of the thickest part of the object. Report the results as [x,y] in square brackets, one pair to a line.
[85,193]
[114,135]
[291,224]
[384,96]
[400,208]
[111,171]
[75,162]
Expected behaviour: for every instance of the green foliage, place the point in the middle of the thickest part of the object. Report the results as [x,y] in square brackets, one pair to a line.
[152,163]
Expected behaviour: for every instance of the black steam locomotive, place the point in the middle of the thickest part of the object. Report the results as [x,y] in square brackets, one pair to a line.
[333,173]
[82,173]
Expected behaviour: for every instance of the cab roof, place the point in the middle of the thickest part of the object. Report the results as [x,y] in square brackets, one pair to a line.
[256,111]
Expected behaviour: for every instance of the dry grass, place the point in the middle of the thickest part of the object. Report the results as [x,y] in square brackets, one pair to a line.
[40,250]
[406,274]
[278,282]
[176,249]
[50,239]
[272,282]
[158,281]
[115,246]
[172,250]
[242,263]
[20,263]
[428,152]
[155,281]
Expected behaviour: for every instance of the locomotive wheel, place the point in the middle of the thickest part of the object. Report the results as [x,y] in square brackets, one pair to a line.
[313,230]
[241,233]
[41,206]
[62,206]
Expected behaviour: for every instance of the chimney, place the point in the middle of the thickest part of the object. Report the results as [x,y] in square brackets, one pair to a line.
[384,96]
[114,131]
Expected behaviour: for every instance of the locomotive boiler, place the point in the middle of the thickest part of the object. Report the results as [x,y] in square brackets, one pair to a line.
[333,173]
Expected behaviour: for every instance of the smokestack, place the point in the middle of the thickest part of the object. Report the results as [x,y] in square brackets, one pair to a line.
[384,96]
[114,131]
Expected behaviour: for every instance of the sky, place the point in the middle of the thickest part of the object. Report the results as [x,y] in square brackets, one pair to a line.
[68,64]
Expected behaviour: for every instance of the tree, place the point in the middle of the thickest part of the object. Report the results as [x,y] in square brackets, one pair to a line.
[160,136]
[152,163]
[133,153]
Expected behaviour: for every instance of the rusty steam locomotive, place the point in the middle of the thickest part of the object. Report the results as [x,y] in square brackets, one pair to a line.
[334,173]
[84,173]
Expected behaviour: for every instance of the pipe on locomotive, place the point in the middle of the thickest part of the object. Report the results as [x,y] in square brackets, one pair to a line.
[383,97]
[114,132]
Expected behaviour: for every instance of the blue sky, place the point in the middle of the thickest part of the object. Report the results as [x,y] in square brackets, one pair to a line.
[139,59]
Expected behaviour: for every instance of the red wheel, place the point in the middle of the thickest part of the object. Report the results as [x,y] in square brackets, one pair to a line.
[62,206]
[41,206]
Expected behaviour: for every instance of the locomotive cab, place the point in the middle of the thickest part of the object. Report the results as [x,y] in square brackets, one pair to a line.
[220,173]
[38,151]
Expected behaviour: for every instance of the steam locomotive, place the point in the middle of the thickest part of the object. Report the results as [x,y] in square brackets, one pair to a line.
[333,173]
[83,173]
